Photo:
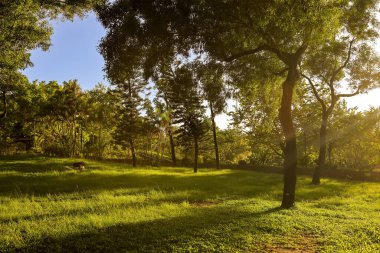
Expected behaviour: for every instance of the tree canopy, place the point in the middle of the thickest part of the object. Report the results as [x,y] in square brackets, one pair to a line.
[254,31]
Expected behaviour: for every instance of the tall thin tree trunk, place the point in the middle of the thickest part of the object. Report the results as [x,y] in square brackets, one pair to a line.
[170,131]
[133,153]
[322,150]
[172,147]
[215,137]
[290,151]
[196,150]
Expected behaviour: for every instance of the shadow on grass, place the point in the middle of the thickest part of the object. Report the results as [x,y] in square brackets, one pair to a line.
[40,164]
[204,228]
[33,164]
[233,183]
[40,167]
[105,209]
[215,229]
[41,185]
[243,184]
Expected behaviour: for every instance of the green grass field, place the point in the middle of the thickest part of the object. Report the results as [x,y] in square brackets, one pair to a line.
[45,207]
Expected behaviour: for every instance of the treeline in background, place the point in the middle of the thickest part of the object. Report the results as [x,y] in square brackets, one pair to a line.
[155,126]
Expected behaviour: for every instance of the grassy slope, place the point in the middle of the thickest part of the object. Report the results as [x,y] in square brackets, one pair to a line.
[114,208]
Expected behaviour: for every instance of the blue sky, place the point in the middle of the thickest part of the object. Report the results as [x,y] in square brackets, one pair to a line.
[72,55]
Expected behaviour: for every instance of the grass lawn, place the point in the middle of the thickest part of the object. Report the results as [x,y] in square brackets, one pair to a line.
[110,207]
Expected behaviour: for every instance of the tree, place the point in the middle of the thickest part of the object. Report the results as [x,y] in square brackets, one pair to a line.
[163,77]
[250,31]
[64,110]
[101,108]
[166,122]
[11,83]
[339,65]
[346,60]
[129,120]
[234,146]
[257,113]
[306,107]
[24,26]
[17,112]
[154,128]
[353,141]
[210,77]
[21,31]
[187,107]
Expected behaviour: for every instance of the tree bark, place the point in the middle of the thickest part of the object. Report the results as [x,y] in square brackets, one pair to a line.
[322,150]
[170,131]
[133,153]
[196,150]
[215,137]
[290,151]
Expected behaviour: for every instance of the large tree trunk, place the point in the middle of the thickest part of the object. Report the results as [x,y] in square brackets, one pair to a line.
[215,137]
[5,106]
[322,150]
[133,153]
[290,151]
[196,150]
[172,147]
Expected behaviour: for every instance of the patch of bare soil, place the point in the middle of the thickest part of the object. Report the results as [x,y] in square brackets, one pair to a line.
[301,244]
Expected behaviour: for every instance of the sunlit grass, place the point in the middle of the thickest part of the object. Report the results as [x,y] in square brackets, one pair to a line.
[46,207]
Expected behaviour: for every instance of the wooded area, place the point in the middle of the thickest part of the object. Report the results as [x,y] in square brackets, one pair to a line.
[281,70]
